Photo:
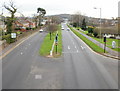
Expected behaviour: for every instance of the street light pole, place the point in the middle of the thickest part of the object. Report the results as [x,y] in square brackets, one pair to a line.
[100,24]
[100,20]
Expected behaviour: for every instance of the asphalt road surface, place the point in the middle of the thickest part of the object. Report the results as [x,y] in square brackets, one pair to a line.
[77,68]
[24,68]
[85,69]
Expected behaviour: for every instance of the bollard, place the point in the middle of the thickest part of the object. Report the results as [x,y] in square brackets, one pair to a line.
[50,53]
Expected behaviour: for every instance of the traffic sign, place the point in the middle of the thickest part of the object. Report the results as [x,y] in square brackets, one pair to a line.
[13,35]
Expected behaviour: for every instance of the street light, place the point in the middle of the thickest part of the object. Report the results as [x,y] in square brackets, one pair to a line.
[100,20]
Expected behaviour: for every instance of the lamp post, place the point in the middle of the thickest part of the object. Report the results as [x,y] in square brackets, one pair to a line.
[100,20]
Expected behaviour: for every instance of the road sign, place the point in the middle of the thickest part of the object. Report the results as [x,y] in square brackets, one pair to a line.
[104,44]
[104,39]
[13,35]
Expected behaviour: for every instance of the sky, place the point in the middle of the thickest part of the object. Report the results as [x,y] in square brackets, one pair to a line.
[109,8]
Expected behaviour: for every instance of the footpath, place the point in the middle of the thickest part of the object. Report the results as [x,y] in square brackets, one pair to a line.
[111,53]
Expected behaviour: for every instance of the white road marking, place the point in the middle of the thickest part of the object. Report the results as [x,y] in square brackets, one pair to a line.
[75,47]
[21,53]
[77,50]
[82,47]
[69,47]
[38,76]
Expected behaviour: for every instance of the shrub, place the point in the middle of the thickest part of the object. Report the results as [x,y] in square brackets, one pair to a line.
[19,32]
[90,29]
[27,28]
[95,34]
[74,24]
[8,38]
[17,28]
[89,34]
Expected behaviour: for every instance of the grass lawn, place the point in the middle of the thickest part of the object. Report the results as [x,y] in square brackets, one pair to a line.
[88,42]
[108,43]
[47,44]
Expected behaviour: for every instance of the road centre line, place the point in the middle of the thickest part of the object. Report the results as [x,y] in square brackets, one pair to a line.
[75,47]
[69,47]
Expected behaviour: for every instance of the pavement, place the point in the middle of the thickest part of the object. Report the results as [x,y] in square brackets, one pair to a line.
[111,53]
[78,68]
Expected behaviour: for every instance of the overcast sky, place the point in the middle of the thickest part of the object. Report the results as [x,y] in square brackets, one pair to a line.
[29,7]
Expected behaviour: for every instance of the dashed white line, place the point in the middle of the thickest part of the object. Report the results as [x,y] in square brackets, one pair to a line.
[75,47]
[69,47]
[77,50]
[38,76]
[21,53]
[82,47]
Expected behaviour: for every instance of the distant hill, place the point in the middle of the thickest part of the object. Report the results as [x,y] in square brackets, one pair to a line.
[67,16]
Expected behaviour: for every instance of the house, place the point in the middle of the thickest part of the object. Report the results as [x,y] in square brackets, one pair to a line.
[31,24]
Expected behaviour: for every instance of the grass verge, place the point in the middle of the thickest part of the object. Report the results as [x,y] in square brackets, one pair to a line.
[108,42]
[47,44]
[88,42]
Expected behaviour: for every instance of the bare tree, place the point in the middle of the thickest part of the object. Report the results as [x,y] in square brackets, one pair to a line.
[77,19]
[12,9]
[52,28]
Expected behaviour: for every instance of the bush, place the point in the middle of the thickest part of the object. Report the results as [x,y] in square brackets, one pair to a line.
[112,37]
[74,24]
[8,38]
[17,28]
[95,34]
[27,28]
[89,34]
[19,32]
[90,29]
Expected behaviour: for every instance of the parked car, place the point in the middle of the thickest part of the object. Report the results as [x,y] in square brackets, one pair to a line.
[41,30]
[62,28]
[68,29]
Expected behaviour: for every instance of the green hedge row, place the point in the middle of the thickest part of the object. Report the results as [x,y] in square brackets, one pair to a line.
[8,38]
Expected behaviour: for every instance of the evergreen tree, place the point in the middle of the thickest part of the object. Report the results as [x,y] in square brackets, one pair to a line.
[84,24]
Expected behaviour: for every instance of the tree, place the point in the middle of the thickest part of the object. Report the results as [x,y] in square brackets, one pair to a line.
[77,19]
[52,28]
[10,20]
[84,24]
[41,12]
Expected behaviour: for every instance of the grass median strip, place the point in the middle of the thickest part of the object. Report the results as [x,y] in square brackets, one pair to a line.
[88,42]
[47,44]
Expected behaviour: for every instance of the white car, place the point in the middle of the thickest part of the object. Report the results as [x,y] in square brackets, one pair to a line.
[40,30]
[68,29]
[62,28]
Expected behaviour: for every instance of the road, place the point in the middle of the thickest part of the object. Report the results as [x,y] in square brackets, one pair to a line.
[84,69]
[24,68]
[78,68]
